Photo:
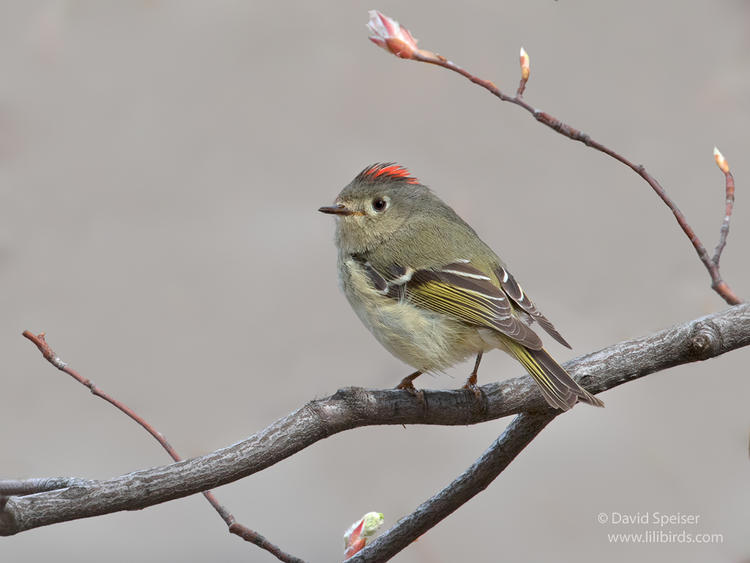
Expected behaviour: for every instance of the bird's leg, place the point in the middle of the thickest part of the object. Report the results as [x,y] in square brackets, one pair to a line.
[406,383]
[471,382]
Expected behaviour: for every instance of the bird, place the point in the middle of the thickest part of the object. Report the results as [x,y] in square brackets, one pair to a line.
[431,291]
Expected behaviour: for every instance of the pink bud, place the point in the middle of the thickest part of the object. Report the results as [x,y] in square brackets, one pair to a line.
[353,539]
[721,162]
[525,67]
[359,533]
[388,34]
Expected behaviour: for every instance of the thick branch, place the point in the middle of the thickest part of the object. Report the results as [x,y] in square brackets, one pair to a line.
[699,339]
[13,487]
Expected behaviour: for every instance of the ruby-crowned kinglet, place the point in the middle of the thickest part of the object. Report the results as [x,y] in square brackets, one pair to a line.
[430,290]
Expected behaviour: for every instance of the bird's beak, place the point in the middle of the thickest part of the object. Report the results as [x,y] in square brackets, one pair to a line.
[338,209]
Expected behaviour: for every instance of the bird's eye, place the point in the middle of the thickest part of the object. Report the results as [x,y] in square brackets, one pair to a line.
[379,204]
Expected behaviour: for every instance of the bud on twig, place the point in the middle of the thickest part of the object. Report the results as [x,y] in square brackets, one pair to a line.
[357,536]
[721,162]
[388,34]
[525,68]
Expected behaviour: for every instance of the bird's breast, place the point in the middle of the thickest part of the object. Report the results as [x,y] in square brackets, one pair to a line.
[427,340]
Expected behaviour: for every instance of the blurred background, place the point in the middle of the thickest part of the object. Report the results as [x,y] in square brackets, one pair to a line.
[161,164]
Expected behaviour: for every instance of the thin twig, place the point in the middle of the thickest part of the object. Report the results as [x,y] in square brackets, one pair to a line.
[234,527]
[566,130]
[521,88]
[724,231]
[40,341]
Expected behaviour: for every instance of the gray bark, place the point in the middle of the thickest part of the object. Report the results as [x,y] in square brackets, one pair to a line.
[699,339]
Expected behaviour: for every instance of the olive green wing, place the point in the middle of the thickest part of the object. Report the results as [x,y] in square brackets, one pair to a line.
[463,291]
[469,295]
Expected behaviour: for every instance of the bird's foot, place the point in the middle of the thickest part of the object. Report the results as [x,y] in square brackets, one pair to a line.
[413,391]
[408,385]
[471,384]
[474,388]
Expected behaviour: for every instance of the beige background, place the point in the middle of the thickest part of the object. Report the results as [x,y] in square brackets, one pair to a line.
[161,164]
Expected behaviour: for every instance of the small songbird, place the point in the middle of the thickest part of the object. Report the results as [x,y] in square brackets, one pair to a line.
[430,290]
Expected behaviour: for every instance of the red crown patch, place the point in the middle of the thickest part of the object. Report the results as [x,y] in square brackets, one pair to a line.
[387,171]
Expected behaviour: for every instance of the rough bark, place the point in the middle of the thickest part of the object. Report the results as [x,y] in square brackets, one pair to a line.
[699,339]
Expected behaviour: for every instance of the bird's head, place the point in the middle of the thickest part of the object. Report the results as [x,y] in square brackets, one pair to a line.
[376,204]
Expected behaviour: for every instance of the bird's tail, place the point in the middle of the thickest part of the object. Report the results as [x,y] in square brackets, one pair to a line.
[558,388]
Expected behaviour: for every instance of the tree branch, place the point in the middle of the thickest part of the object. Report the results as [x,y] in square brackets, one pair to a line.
[349,408]
[470,483]
[39,485]
[719,284]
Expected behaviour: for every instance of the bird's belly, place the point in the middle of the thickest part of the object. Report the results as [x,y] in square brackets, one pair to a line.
[427,340]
